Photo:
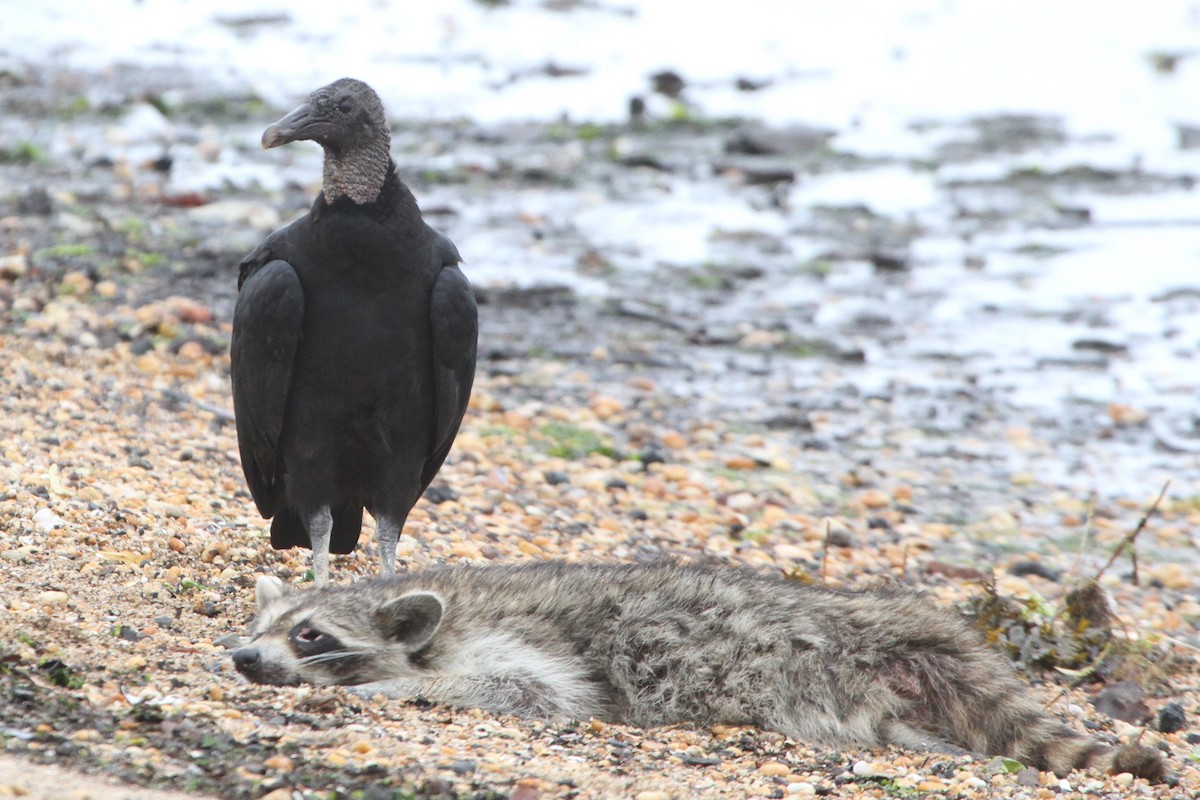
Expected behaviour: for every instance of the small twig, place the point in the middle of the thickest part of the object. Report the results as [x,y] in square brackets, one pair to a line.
[1128,540]
[1180,643]
[222,414]
[1056,698]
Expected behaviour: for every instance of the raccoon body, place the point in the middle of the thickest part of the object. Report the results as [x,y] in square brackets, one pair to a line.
[652,645]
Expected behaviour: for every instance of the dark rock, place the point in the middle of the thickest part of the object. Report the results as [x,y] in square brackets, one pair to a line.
[699,761]
[555,477]
[1123,700]
[35,202]
[439,494]
[616,484]
[1025,568]
[651,456]
[1029,776]
[668,82]
[839,538]
[1171,718]
[128,634]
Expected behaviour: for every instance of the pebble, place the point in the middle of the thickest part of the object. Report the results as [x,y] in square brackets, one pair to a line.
[652,796]
[53,597]
[802,789]
[774,769]
[278,763]
[864,769]
[46,520]
[282,793]
[14,266]
[874,499]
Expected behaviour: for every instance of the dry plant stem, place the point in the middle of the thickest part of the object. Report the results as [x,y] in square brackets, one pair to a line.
[1128,540]
[1062,693]
[220,413]
[1086,534]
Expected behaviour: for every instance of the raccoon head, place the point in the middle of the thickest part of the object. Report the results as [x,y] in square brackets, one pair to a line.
[337,635]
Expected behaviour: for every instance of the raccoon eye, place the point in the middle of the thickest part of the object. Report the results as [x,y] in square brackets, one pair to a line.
[308,635]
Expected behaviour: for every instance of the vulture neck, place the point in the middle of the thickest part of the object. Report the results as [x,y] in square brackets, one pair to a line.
[358,174]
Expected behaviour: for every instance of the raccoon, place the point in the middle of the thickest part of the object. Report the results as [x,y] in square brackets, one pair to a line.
[649,645]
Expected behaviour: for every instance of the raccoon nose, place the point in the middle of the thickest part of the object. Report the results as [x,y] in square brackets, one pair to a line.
[246,659]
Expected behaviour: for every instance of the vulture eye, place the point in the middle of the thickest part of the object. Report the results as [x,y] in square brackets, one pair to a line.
[345,105]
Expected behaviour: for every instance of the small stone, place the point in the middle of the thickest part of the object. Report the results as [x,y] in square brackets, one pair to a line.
[1124,701]
[874,498]
[1123,779]
[14,266]
[46,520]
[802,789]
[134,663]
[282,793]
[1172,718]
[176,544]
[652,796]
[53,597]
[1029,776]
[863,769]
[673,440]
[278,763]
[740,462]
[741,501]
[774,769]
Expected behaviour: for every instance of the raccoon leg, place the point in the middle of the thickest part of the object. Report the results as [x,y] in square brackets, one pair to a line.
[320,530]
[904,735]
[499,694]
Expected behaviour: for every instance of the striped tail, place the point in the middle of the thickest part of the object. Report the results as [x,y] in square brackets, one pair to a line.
[1055,747]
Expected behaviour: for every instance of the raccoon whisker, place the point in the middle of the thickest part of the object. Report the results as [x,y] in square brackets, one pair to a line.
[333,655]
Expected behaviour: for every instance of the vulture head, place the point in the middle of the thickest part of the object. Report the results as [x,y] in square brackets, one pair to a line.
[346,118]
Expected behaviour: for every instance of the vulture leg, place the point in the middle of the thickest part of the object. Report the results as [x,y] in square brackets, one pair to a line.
[387,533]
[320,529]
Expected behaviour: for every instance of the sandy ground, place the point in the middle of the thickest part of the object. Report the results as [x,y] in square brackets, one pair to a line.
[20,778]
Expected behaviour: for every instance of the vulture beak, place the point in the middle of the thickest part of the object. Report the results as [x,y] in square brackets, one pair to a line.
[304,122]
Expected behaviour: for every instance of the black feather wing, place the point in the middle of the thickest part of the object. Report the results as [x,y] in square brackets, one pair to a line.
[455,323]
[266,331]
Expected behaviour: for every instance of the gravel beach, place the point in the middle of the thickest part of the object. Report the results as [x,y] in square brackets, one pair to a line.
[799,413]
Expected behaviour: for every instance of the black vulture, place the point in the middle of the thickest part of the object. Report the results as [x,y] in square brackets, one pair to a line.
[354,341]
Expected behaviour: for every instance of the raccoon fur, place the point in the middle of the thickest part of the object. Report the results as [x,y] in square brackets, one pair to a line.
[659,644]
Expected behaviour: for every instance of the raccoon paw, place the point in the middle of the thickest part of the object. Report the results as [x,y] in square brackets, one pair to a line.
[1140,761]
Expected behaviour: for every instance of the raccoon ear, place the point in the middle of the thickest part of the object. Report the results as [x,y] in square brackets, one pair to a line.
[267,590]
[411,618]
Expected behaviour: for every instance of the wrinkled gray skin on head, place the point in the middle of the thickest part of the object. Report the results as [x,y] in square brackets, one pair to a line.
[346,118]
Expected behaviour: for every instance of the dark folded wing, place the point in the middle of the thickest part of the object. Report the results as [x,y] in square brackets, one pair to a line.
[455,322]
[266,331]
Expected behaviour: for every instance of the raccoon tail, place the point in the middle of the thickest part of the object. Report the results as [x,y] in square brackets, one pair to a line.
[1053,746]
